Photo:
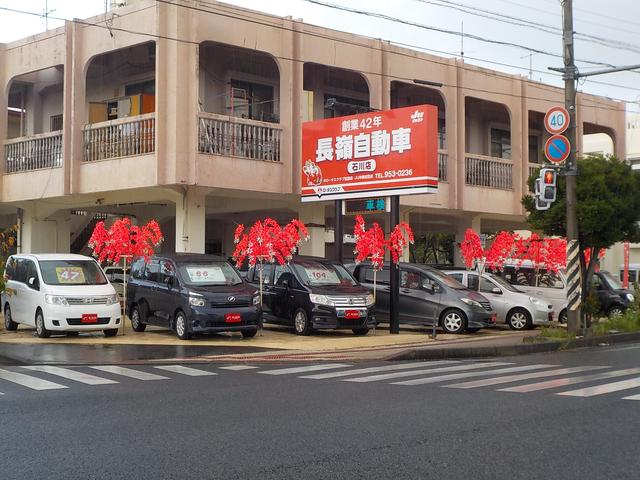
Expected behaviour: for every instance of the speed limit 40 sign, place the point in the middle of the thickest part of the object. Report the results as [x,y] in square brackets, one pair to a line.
[556,120]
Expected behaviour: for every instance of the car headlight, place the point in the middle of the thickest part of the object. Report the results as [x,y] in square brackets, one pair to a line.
[113,299]
[630,297]
[369,300]
[197,301]
[321,300]
[534,300]
[471,303]
[256,299]
[56,300]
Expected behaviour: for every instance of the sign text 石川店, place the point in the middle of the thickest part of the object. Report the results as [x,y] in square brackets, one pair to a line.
[392,152]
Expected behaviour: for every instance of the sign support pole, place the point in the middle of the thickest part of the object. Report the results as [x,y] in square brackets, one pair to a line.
[394,270]
[338,231]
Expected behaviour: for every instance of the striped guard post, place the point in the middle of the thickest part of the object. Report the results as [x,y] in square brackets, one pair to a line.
[574,288]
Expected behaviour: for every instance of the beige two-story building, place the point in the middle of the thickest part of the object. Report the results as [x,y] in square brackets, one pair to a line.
[191,114]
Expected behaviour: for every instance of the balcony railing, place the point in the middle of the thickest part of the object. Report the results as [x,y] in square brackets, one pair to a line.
[43,150]
[443,164]
[533,167]
[238,137]
[123,137]
[481,171]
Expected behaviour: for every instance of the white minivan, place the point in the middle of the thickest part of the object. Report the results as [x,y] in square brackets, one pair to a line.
[59,292]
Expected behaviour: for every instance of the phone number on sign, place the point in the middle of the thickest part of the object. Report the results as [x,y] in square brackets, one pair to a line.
[407,172]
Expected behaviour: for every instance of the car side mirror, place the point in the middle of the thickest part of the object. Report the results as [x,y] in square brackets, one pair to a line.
[496,290]
[429,287]
[33,283]
[286,284]
[170,281]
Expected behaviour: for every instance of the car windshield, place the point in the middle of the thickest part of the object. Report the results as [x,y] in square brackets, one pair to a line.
[320,274]
[71,272]
[445,279]
[209,274]
[502,283]
[612,281]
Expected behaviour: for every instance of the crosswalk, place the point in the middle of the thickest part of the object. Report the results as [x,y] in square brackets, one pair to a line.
[501,376]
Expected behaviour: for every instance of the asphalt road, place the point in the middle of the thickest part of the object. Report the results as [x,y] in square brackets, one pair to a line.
[269,423]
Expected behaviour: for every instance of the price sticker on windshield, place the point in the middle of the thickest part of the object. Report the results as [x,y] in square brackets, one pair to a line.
[70,275]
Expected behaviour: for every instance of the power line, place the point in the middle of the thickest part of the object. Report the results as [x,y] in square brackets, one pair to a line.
[603,106]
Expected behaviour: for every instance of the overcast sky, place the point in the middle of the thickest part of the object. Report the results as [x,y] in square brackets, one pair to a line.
[611,21]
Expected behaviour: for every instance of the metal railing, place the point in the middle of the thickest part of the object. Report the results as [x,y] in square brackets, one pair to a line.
[443,165]
[533,167]
[43,150]
[482,171]
[238,137]
[123,137]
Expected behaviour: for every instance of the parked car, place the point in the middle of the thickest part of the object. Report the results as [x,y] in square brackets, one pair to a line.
[541,283]
[313,293]
[517,309]
[428,296]
[613,299]
[191,294]
[115,275]
[59,293]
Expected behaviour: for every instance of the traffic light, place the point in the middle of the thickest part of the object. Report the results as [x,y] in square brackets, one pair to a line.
[541,204]
[548,189]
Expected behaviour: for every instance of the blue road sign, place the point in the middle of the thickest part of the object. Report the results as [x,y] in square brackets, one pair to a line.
[557,149]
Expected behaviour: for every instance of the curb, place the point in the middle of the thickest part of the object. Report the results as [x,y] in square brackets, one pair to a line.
[510,350]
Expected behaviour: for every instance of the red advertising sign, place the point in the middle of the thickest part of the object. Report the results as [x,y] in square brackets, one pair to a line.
[393,152]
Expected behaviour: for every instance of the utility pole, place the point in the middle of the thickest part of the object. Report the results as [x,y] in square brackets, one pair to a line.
[571,76]
[570,71]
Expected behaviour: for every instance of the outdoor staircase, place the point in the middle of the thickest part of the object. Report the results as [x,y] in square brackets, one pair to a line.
[79,243]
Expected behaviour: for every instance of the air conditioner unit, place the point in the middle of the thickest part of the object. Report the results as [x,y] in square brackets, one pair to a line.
[118,3]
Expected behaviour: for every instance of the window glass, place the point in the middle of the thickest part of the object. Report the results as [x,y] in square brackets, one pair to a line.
[10,269]
[72,272]
[21,270]
[267,271]
[549,280]
[280,270]
[137,269]
[500,143]
[520,276]
[152,272]
[366,275]
[612,282]
[409,279]
[457,276]
[32,271]
[632,276]
[210,273]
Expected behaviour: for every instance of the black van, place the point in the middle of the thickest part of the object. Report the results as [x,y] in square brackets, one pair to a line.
[192,293]
[314,293]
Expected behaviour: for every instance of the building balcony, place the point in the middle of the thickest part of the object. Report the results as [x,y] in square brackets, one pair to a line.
[488,172]
[238,137]
[122,137]
[33,152]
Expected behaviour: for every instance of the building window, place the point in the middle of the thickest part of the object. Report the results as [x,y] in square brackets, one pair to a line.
[534,149]
[55,123]
[253,101]
[500,143]
[148,86]
[442,134]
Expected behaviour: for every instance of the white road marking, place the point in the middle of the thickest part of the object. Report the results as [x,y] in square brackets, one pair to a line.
[456,376]
[129,372]
[358,371]
[422,371]
[602,389]
[632,397]
[524,376]
[28,381]
[311,368]
[71,375]
[192,372]
[238,367]
[561,382]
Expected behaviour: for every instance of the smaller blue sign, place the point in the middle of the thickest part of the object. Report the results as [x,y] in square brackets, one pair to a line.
[557,148]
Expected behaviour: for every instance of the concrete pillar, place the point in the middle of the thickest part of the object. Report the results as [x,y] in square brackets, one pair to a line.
[190,221]
[45,235]
[467,222]
[312,215]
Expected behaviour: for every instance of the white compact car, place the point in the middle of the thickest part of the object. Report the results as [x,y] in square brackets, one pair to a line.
[514,307]
[59,292]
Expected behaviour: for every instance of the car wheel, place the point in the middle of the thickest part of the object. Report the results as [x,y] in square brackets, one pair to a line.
[112,332]
[301,323]
[519,319]
[249,333]
[9,324]
[181,326]
[562,318]
[41,330]
[136,320]
[360,331]
[453,321]
[615,311]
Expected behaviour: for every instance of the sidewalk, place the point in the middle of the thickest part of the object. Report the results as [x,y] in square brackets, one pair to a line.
[271,344]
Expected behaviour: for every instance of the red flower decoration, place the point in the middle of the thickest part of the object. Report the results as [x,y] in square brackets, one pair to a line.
[370,243]
[124,239]
[400,237]
[471,248]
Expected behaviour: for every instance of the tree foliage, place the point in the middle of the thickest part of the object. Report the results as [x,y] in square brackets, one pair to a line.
[608,208]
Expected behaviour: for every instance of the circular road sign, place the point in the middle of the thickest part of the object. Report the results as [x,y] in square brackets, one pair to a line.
[557,149]
[556,120]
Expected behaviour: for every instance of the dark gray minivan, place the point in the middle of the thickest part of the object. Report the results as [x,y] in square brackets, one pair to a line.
[190,294]
[427,296]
